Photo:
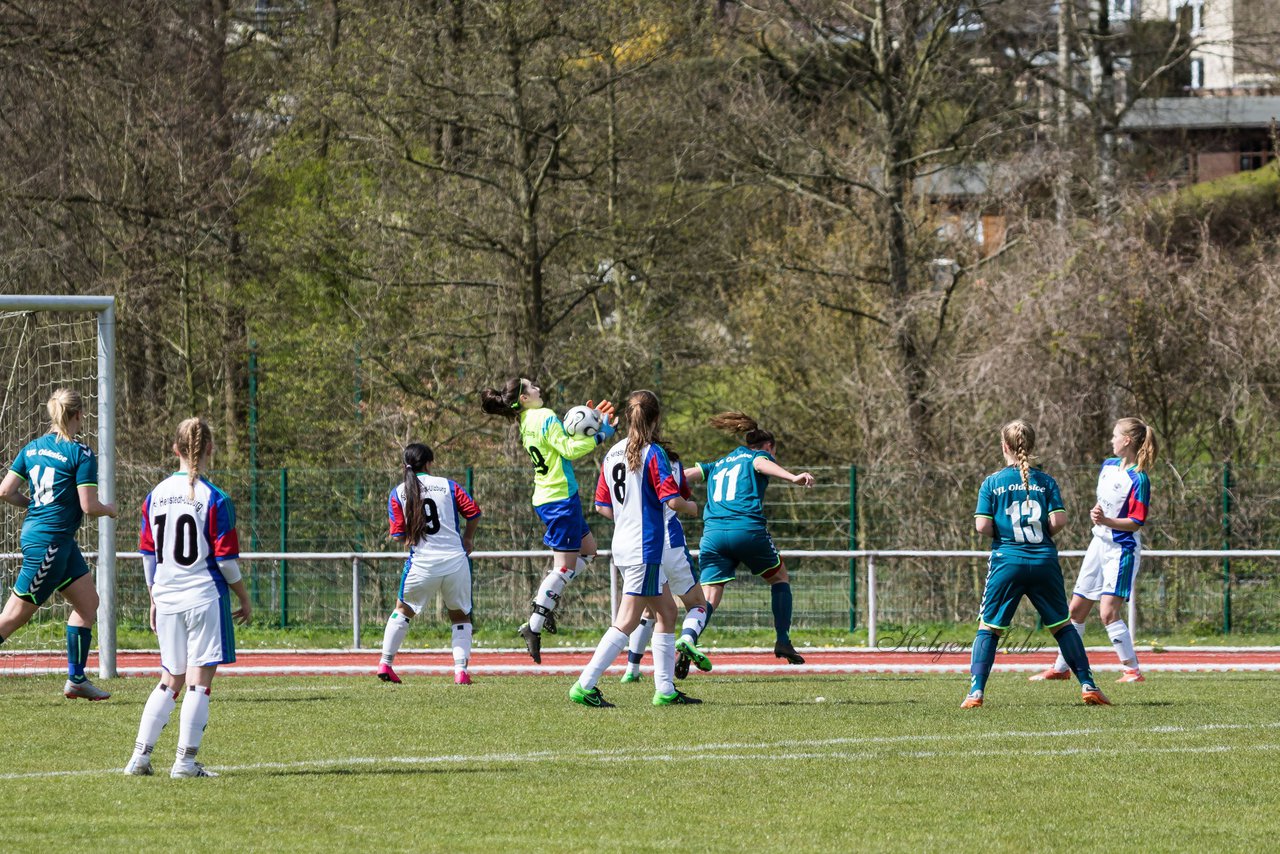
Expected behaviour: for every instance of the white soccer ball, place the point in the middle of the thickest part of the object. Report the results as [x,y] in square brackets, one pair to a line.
[582,421]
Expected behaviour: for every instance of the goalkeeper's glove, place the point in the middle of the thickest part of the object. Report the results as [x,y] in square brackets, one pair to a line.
[606,431]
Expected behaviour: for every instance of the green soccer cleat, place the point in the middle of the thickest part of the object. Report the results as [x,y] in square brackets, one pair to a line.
[687,648]
[675,698]
[593,698]
[628,677]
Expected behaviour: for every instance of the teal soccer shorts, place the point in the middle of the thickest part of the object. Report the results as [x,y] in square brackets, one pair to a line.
[721,551]
[1008,581]
[48,568]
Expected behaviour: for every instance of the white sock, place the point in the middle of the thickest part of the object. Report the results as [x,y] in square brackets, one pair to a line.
[638,643]
[461,645]
[193,719]
[397,628]
[1061,664]
[664,662]
[613,642]
[549,594]
[155,714]
[1123,643]
[695,620]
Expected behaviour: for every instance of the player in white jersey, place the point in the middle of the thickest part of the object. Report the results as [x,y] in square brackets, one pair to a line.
[637,483]
[678,568]
[190,552]
[1110,565]
[424,512]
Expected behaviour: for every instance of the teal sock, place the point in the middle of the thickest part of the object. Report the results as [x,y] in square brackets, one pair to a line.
[984,656]
[780,600]
[79,639]
[1073,654]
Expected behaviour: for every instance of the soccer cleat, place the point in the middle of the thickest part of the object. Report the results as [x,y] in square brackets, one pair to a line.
[549,625]
[461,677]
[1132,674]
[386,674]
[781,649]
[194,769]
[85,690]
[583,697]
[682,665]
[1093,697]
[675,698]
[630,677]
[973,701]
[532,642]
[1044,675]
[686,647]
[139,766]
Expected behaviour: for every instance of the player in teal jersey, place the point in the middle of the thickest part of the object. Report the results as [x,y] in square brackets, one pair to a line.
[551,448]
[734,530]
[63,478]
[1020,508]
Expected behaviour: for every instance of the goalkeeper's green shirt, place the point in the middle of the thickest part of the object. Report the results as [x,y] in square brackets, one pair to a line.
[551,447]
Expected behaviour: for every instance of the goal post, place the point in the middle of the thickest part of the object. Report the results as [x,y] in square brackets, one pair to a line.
[105,308]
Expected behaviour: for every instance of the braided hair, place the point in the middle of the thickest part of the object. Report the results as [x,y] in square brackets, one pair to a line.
[194,439]
[1020,438]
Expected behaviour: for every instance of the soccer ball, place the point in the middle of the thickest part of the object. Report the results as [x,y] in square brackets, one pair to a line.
[582,421]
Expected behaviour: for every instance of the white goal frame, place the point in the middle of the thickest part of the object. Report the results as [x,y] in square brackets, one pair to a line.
[105,308]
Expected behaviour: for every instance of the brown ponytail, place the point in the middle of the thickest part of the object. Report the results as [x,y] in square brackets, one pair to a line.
[504,401]
[193,439]
[643,416]
[1144,441]
[1020,438]
[741,424]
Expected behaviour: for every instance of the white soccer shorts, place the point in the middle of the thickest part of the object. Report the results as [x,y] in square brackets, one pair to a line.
[197,637]
[678,570]
[642,579]
[451,578]
[1108,569]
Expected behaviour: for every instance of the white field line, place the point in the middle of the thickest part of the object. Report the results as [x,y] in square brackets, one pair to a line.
[766,751]
[722,670]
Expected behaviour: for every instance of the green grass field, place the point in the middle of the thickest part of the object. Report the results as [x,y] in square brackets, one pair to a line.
[1183,762]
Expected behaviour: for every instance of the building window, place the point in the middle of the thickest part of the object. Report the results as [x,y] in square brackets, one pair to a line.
[1255,155]
[1197,74]
[1121,10]
[1191,12]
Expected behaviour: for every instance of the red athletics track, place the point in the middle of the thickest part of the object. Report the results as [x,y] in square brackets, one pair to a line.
[727,662]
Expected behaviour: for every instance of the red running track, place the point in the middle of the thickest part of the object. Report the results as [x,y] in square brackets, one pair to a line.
[727,662]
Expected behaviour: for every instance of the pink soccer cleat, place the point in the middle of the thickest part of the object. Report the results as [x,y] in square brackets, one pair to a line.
[1050,674]
[386,674]
[461,677]
[1132,674]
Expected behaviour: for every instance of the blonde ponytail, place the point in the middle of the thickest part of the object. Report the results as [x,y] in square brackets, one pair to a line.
[64,405]
[1020,438]
[193,440]
[1143,437]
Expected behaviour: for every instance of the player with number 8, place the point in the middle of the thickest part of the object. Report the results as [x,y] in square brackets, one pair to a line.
[551,449]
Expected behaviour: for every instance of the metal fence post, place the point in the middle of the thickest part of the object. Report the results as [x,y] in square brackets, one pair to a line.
[871,601]
[1226,544]
[284,547]
[853,546]
[355,603]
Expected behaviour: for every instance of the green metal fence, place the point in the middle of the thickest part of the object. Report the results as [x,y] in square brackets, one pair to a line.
[850,507]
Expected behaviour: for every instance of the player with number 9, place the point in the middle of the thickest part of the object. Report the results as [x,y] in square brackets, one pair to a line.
[63,477]
[551,449]
[424,512]
[1020,509]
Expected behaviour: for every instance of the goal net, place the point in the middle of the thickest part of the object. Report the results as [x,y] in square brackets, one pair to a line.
[47,343]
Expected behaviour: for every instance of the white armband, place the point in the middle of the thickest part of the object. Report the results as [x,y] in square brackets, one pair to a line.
[230,570]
